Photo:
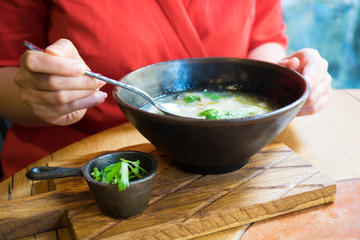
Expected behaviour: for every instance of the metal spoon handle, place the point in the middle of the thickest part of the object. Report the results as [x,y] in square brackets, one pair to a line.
[89,73]
[123,85]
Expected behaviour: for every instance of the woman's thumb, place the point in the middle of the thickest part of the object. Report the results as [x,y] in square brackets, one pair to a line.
[291,63]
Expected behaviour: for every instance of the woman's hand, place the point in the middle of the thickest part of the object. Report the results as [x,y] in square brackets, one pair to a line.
[314,68]
[53,84]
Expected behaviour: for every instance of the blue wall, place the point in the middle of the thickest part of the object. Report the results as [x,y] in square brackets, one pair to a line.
[333,28]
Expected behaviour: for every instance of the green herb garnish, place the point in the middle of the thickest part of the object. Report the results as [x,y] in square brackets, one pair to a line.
[213,95]
[216,114]
[119,173]
[211,114]
[238,114]
[191,99]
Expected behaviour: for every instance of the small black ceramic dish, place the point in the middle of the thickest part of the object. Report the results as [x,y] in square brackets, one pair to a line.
[112,202]
[213,146]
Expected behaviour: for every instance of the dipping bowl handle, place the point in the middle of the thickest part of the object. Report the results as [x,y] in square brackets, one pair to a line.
[43,173]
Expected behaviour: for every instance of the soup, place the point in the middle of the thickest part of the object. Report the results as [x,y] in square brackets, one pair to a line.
[213,104]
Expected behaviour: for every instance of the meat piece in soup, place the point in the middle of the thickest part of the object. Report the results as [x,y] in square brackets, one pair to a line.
[213,105]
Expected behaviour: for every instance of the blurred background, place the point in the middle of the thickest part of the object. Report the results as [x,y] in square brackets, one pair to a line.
[333,28]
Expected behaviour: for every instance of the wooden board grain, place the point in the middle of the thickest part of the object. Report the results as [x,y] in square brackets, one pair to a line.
[337,221]
[183,205]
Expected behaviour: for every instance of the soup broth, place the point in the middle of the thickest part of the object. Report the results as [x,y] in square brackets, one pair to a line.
[213,104]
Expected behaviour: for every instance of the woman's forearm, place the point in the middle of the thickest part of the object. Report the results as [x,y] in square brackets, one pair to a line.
[270,52]
[12,107]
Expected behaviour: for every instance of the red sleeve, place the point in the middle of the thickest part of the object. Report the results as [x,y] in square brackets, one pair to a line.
[20,20]
[268,24]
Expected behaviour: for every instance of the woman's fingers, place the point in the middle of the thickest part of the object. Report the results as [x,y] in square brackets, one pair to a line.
[64,114]
[56,83]
[314,68]
[66,63]
[291,63]
[67,119]
[45,63]
[53,84]
[320,104]
[316,72]
[56,98]
[46,82]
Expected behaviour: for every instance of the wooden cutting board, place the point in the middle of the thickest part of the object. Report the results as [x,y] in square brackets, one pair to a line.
[276,181]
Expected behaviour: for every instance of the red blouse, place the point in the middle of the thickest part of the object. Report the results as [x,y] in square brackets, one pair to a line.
[115,37]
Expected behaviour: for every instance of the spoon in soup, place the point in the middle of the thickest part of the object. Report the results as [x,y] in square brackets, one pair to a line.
[136,90]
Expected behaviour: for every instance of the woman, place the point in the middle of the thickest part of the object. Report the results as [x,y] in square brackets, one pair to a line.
[53,104]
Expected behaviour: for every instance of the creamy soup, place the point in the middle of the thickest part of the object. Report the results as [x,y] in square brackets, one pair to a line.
[213,105]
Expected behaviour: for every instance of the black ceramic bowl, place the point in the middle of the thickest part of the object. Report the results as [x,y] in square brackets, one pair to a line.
[213,146]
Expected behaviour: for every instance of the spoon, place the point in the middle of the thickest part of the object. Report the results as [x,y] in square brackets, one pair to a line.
[136,90]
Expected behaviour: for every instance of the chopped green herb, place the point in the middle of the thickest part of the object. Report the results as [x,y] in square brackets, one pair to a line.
[119,173]
[124,179]
[211,114]
[216,114]
[213,95]
[191,99]
[97,175]
[238,114]
[111,174]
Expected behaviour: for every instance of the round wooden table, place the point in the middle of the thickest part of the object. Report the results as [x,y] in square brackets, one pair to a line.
[328,140]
